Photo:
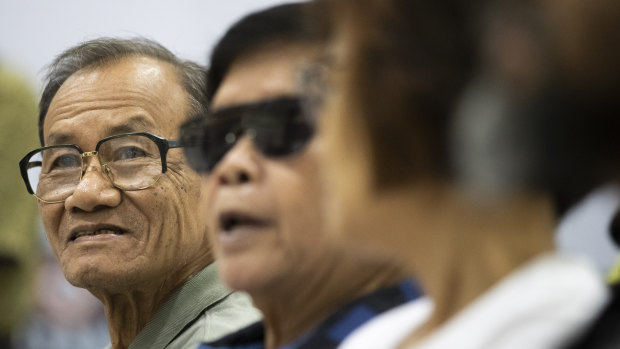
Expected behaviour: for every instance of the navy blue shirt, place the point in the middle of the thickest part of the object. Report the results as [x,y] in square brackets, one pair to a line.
[334,329]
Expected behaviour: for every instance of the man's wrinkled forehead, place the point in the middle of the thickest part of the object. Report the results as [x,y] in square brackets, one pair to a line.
[135,94]
[133,124]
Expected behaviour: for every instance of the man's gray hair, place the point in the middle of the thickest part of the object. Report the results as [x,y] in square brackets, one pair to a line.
[103,51]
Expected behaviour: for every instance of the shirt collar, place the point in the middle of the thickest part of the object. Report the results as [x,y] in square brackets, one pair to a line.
[331,332]
[183,307]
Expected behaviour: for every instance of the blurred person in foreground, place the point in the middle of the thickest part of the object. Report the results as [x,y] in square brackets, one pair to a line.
[400,147]
[18,219]
[122,210]
[567,100]
[263,189]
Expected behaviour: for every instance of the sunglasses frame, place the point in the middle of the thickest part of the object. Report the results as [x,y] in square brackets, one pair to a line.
[278,113]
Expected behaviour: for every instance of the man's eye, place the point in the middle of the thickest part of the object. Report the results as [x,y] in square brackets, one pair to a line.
[128,153]
[66,161]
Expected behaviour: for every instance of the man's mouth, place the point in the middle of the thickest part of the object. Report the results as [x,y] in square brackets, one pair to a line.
[232,221]
[112,231]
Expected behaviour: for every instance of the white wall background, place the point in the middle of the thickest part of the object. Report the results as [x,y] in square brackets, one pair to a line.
[33,32]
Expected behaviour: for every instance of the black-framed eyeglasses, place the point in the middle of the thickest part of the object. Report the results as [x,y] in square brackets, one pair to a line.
[131,161]
[277,127]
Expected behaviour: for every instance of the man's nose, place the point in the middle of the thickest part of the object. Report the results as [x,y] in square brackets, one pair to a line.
[94,191]
[240,165]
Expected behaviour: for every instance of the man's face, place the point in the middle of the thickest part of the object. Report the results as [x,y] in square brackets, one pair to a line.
[154,237]
[264,210]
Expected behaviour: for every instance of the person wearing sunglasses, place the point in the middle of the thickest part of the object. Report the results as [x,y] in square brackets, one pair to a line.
[258,154]
[122,210]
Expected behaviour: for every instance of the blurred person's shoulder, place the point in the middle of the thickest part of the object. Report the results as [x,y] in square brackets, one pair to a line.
[18,238]
[389,329]
[545,303]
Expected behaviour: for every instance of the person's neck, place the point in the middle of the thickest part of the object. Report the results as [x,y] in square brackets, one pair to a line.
[128,312]
[296,305]
[478,247]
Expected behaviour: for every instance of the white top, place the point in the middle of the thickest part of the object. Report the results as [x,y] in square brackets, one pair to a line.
[584,229]
[544,304]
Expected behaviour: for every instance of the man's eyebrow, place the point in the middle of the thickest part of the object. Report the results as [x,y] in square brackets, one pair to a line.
[58,138]
[133,124]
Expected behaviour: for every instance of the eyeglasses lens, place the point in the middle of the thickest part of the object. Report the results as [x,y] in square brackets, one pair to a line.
[131,162]
[54,172]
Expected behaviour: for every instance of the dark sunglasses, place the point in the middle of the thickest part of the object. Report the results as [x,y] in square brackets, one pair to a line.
[277,127]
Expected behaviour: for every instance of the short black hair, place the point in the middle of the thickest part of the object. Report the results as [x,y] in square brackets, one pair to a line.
[283,23]
[103,51]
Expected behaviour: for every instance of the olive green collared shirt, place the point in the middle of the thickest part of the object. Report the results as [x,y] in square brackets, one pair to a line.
[203,309]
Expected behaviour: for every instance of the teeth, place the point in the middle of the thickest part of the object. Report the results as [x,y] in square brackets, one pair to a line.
[105,231]
[97,232]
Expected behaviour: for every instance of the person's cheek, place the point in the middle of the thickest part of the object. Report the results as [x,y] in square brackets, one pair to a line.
[151,204]
[178,219]
[51,215]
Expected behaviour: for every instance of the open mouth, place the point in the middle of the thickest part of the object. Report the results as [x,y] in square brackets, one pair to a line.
[113,231]
[232,221]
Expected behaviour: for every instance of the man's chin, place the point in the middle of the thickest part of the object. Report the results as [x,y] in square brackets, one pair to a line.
[251,275]
[98,279]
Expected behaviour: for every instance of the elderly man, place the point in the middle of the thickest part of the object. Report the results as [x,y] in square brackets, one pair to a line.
[264,193]
[122,210]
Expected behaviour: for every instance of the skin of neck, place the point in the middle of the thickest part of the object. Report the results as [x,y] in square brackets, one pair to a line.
[127,312]
[296,304]
[476,245]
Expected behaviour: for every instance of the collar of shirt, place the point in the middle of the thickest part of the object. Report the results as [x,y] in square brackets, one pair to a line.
[202,291]
[331,332]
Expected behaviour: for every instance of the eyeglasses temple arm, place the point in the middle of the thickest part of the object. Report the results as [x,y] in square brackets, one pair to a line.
[174,143]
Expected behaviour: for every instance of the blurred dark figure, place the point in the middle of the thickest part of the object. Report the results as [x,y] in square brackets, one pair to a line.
[555,63]
[18,222]
[566,104]
[448,150]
